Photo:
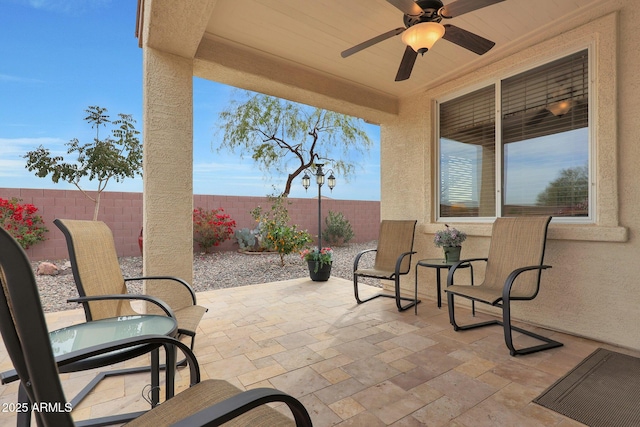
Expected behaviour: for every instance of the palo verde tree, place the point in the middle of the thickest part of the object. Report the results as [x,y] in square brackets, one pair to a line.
[116,157]
[285,138]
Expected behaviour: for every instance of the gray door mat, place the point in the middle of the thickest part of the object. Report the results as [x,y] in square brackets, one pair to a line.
[603,390]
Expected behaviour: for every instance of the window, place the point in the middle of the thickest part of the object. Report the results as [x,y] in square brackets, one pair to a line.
[530,156]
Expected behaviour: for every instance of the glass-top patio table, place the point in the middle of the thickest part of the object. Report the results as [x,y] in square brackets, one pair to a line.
[103,332]
[438,264]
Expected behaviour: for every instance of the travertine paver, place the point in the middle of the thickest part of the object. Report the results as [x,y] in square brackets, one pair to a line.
[351,365]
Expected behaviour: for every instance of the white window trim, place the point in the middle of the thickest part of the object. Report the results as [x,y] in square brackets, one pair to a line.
[600,36]
[497,84]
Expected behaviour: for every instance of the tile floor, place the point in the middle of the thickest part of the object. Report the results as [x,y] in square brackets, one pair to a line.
[351,365]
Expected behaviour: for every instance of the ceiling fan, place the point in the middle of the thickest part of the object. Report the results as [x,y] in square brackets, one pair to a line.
[422,29]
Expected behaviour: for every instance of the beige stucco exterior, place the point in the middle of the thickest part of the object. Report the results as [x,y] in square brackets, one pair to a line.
[592,289]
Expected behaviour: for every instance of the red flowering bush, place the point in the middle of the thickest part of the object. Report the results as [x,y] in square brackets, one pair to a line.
[210,228]
[21,221]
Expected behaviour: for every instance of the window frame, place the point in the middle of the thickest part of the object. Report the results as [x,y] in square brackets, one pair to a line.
[496,82]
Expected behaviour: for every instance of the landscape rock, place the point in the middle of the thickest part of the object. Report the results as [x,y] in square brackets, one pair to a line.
[47,269]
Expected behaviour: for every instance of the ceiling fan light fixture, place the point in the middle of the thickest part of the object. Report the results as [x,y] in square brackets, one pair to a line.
[560,108]
[421,37]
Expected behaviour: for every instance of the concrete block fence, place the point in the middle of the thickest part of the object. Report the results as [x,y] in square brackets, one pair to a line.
[122,212]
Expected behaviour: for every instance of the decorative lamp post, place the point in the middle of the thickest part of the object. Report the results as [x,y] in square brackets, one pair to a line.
[331,181]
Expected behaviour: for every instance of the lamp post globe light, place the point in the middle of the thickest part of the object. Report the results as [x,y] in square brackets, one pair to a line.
[331,182]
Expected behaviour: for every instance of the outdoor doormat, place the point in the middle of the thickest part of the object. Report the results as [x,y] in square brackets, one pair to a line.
[603,390]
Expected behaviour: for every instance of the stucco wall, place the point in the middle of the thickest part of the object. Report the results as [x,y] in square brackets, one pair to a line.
[122,212]
[593,288]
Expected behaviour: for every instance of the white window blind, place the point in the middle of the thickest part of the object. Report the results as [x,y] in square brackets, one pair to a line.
[467,155]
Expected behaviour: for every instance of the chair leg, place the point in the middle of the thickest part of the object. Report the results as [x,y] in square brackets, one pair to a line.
[507,327]
[355,291]
[397,296]
[508,332]
[452,317]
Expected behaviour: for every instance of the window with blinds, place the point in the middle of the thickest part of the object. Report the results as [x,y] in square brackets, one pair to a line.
[467,155]
[542,166]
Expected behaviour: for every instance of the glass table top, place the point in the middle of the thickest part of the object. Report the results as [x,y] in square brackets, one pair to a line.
[104,331]
[437,262]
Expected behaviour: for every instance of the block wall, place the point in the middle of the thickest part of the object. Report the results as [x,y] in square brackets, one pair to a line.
[122,212]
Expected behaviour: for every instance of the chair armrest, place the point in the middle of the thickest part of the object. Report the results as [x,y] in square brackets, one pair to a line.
[399,262]
[508,284]
[357,260]
[453,268]
[163,305]
[237,405]
[175,279]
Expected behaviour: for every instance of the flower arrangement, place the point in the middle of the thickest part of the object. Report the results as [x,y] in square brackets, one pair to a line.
[210,228]
[449,237]
[321,257]
[22,222]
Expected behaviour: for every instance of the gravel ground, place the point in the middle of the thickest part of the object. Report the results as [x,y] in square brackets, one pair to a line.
[210,271]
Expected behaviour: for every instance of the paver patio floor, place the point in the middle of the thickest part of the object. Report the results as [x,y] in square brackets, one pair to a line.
[351,365]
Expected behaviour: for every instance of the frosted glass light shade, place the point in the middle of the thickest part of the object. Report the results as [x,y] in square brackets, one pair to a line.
[422,36]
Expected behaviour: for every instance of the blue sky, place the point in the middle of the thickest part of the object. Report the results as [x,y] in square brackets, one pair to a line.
[60,56]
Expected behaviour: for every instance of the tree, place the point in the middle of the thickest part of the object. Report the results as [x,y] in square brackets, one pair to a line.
[569,191]
[286,138]
[119,157]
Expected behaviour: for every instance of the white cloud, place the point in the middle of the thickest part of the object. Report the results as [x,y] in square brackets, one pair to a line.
[71,7]
[18,79]
[13,147]
[13,172]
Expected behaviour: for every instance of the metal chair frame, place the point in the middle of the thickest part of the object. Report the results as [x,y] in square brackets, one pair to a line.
[503,300]
[394,275]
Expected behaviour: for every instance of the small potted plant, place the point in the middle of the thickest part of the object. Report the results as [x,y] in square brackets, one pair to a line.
[319,262]
[450,240]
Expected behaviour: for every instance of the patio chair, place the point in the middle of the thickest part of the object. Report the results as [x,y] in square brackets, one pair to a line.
[102,288]
[25,335]
[393,259]
[513,269]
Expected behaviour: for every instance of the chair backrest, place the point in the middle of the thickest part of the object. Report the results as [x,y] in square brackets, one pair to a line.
[395,238]
[25,335]
[95,266]
[517,242]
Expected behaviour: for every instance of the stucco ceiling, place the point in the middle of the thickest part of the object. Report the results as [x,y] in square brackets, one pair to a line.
[312,33]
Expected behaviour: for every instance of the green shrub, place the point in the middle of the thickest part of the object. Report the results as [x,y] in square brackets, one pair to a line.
[275,232]
[337,230]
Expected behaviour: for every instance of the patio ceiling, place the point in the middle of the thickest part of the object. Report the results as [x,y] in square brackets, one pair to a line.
[311,35]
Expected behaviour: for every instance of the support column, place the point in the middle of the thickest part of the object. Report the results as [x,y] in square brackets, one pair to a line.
[168,165]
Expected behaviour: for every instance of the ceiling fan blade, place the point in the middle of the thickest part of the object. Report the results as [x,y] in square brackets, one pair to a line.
[538,117]
[371,42]
[460,7]
[408,7]
[467,40]
[406,65]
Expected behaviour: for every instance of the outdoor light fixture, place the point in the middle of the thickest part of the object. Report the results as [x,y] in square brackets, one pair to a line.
[331,182]
[306,181]
[421,37]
